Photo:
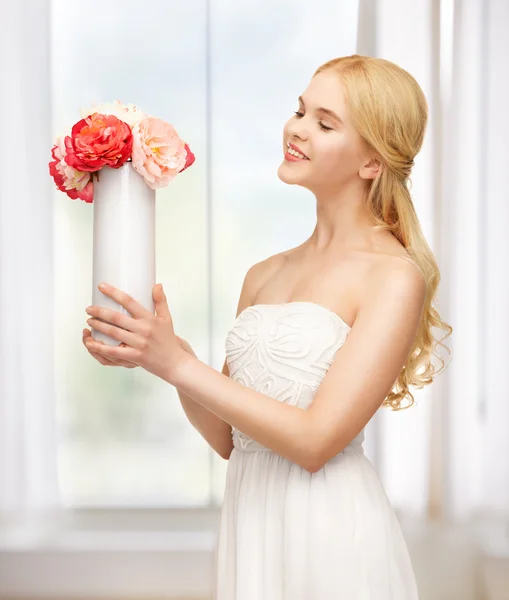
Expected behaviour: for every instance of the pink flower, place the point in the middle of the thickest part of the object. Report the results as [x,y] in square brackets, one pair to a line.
[158,152]
[98,140]
[76,184]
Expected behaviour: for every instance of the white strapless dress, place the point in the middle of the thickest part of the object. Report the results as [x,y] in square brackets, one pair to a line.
[286,533]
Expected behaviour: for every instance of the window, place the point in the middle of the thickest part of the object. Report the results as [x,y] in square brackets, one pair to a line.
[227,76]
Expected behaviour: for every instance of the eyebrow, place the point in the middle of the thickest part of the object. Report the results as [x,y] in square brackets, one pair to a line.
[326,111]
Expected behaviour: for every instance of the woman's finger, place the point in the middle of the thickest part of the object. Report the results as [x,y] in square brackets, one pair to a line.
[133,337]
[104,360]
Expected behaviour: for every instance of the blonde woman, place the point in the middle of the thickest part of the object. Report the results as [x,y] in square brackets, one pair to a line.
[326,334]
[338,326]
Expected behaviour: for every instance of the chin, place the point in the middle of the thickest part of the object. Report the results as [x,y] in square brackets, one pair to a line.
[289,177]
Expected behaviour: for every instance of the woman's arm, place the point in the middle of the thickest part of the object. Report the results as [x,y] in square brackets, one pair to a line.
[359,379]
[216,432]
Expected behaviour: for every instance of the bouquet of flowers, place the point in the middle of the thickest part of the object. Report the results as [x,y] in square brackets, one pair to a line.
[138,154]
[111,134]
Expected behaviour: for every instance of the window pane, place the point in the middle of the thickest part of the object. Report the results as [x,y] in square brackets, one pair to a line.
[124,436]
[263,59]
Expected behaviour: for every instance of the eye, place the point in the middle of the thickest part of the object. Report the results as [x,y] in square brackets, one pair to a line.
[299,115]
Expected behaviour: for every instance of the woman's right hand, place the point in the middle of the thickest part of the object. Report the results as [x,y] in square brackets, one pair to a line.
[107,362]
[111,362]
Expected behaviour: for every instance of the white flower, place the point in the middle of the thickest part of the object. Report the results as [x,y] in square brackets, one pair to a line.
[129,113]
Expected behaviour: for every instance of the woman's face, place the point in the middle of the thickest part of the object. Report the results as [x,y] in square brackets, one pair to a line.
[333,147]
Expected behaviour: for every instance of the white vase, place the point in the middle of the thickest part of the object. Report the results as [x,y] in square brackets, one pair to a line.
[124,239]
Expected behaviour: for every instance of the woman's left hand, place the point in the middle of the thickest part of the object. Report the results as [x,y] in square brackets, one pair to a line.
[150,340]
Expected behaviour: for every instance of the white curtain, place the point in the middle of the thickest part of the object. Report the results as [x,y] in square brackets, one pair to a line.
[28,482]
[493,214]
[450,456]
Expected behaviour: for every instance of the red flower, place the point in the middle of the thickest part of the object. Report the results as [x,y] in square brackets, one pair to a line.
[190,158]
[98,140]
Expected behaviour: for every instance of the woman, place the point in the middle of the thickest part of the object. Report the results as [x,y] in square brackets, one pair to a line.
[329,532]
[326,333]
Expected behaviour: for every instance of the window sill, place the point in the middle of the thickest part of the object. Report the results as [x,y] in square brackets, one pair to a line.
[110,552]
[113,529]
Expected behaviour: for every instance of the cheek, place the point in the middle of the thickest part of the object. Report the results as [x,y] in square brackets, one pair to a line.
[331,153]
[336,156]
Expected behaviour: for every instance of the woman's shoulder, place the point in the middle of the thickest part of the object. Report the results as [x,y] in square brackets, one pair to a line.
[391,274]
[400,261]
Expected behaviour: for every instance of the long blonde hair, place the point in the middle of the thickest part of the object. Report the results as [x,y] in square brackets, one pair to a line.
[389,110]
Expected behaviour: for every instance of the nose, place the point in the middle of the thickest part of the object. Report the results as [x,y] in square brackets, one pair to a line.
[296,131]
[297,128]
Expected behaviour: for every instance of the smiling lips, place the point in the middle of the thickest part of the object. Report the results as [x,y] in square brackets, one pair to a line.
[295,148]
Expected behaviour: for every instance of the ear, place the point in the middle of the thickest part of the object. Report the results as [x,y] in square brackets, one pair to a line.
[371,168]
